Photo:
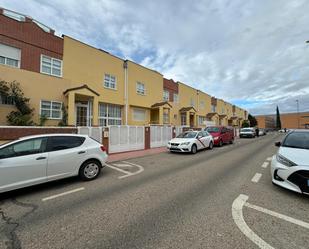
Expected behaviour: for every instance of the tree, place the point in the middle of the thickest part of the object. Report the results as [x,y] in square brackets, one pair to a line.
[23,114]
[252,120]
[278,120]
[245,124]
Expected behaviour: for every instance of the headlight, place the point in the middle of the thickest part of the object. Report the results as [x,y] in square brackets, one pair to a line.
[216,138]
[185,143]
[285,161]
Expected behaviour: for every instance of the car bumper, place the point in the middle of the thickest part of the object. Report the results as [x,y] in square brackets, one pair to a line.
[179,148]
[294,178]
[246,135]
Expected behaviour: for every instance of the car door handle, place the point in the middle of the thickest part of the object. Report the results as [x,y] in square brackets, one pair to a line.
[81,152]
[41,158]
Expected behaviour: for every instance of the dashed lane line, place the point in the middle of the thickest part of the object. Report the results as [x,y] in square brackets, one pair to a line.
[265,165]
[63,194]
[256,177]
[269,158]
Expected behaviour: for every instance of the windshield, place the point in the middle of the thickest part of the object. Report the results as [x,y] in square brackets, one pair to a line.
[212,129]
[298,140]
[246,130]
[189,134]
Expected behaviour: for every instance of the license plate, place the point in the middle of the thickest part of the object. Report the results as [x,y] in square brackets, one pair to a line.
[173,147]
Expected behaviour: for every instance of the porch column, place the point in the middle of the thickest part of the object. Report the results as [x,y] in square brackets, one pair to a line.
[71,109]
[160,115]
[188,118]
[95,111]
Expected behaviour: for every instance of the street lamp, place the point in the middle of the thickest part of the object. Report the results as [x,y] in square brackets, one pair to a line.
[297,105]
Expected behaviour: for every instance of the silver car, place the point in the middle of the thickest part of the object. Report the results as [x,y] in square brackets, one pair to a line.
[42,158]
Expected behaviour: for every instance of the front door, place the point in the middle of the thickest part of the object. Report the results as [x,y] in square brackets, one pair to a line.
[191,120]
[82,115]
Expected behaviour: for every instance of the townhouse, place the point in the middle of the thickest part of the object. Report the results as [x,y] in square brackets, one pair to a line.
[93,87]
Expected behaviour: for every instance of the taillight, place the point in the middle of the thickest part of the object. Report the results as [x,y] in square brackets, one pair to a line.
[103,148]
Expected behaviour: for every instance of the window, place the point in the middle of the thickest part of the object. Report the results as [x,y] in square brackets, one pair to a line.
[183,118]
[140,88]
[51,109]
[14,15]
[24,148]
[166,116]
[139,114]
[110,81]
[201,120]
[166,95]
[109,114]
[213,108]
[64,142]
[6,100]
[51,66]
[192,102]
[9,56]
[202,104]
[176,98]
[223,111]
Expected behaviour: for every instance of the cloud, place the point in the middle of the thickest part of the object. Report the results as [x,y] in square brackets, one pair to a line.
[251,53]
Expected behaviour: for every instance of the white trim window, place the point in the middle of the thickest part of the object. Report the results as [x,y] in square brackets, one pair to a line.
[192,103]
[51,109]
[51,66]
[109,114]
[6,100]
[176,98]
[10,56]
[213,108]
[110,81]
[202,104]
[139,114]
[140,88]
[166,116]
[166,95]
[183,118]
[201,120]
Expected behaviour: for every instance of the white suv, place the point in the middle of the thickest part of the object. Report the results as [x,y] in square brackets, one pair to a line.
[42,158]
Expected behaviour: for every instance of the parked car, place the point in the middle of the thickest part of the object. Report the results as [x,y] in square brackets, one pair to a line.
[42,158]
[221,134]
[290,167]
[247,132]
[262,132]
[191,141]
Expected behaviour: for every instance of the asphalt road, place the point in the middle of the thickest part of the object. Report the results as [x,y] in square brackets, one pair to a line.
[171,201]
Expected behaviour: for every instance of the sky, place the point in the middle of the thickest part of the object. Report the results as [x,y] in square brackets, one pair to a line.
[252,53]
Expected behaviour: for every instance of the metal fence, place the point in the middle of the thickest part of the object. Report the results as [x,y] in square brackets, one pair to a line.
[126,138]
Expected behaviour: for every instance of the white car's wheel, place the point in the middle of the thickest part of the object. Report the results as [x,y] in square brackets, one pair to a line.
[193,149]
[89,170]
[211,145]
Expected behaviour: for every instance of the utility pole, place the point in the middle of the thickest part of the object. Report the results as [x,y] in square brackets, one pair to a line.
[297,105]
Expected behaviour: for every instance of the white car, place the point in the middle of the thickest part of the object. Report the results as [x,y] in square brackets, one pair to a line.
[191,141]
[247,132]
[42,158]
[290,167]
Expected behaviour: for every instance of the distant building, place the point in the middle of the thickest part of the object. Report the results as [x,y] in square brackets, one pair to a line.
[288,120]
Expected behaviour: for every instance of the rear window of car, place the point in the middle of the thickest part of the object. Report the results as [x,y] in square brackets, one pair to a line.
[64,142]
[298,140]
[246,129]
[212,129]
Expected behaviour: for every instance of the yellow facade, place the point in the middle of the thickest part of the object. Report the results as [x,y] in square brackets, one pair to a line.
[84,71]
[37,87]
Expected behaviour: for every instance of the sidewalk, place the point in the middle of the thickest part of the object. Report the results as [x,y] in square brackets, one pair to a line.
[133,154]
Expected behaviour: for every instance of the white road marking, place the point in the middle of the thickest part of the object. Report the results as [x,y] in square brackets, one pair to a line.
[238,218]
[256,177]
[280,216]
[126,173]
[269,158]
[62,194]
[265,165]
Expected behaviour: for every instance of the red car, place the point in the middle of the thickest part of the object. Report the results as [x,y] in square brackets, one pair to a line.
[221,134]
